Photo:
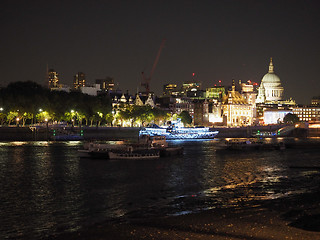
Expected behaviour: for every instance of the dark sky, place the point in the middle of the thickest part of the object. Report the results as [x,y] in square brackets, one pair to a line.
[218,40]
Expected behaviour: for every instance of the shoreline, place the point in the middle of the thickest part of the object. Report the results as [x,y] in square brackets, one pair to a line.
[296,218]
[43,133]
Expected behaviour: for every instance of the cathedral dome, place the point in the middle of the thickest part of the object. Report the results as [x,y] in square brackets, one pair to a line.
[270,89]
[271,78]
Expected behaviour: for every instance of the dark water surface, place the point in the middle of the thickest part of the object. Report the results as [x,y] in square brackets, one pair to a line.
[46,189]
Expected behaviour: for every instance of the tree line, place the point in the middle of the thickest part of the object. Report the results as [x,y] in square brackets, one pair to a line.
[29,103]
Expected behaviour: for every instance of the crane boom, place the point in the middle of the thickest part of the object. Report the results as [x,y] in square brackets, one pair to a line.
[146,80]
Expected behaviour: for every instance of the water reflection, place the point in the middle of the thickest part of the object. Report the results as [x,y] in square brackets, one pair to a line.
[46,189]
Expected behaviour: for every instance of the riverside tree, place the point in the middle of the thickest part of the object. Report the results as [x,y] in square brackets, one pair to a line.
[30,102]
[186,119]
[291,118]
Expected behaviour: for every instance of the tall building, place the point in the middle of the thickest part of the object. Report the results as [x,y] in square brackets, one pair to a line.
[106,84]
[270,90]
[201,113]
[315,101]
[216,92]
[53,79]
[79,80]
[190,87]
[170,89]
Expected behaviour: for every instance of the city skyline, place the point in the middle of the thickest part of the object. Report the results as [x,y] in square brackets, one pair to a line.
[217,40]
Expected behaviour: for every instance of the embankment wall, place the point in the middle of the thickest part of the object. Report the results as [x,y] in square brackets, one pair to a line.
[43,133]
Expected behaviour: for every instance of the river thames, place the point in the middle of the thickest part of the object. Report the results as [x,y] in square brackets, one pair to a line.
[46,189]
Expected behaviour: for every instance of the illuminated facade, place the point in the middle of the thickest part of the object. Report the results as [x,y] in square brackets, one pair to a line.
[170,90]
[215,113]
[248,92]
[307,114]
[53,79]
[90,90]
[274,116]
[138,101]
[315,101]
[79,80]
[216,92]
[190,87]
[236,110]
[182,104]
[150,101]
[106,84]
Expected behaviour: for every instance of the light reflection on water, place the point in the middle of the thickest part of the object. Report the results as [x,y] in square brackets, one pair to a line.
[46,189]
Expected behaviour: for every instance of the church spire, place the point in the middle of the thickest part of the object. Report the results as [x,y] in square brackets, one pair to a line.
[233,85]
[271,66]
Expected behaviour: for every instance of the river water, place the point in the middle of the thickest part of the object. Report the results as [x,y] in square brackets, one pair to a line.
[46,189]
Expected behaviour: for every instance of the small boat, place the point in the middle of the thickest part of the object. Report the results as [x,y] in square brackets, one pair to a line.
[160,143]
[248,144]
[141,154]
[98,150]
[239,144]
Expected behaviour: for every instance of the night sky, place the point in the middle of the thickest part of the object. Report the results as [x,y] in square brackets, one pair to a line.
[217,40]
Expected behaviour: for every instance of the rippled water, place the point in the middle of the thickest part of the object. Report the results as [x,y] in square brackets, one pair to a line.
[46,189]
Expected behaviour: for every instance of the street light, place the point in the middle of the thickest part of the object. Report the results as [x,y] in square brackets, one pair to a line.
[46,120]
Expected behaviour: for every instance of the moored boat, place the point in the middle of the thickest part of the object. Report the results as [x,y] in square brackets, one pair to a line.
[248,144]
[239,144]
[98,150]
[178,132]
[160,143]
[147,148]
[144,154]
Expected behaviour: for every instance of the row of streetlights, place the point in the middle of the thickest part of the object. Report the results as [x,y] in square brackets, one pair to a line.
[46,119]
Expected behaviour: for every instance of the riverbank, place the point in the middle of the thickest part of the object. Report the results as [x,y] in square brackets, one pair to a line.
[44,133]
[287,218]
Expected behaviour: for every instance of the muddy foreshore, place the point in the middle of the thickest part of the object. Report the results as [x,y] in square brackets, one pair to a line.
[293,218]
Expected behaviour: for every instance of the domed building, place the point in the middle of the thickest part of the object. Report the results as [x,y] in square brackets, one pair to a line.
[270,90]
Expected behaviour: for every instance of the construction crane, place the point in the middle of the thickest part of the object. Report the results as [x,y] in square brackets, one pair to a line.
[146,80]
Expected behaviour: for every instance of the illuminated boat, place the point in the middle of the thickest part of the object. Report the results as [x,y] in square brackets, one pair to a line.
[174,132]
